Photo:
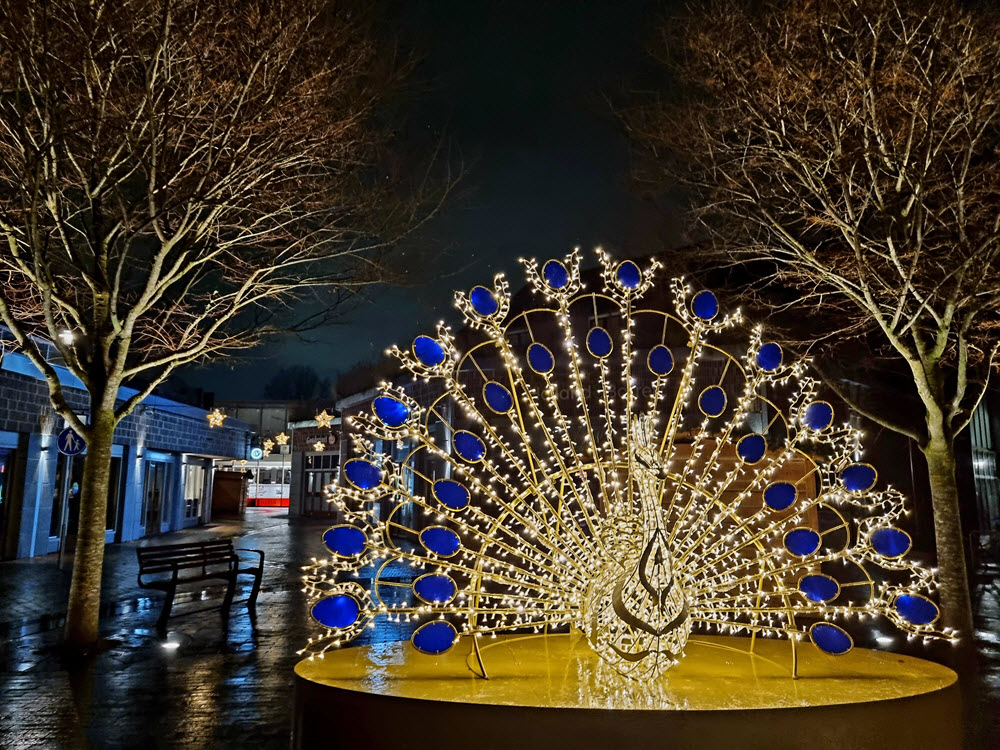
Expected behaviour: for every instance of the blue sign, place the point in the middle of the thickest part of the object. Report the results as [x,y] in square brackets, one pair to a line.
[256,454]
[70,443]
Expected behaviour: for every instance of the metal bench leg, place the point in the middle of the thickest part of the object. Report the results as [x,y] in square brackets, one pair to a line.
[252,601]
[228,601]
[168,603]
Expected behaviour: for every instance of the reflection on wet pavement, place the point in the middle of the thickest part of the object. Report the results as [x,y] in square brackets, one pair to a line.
[206,685]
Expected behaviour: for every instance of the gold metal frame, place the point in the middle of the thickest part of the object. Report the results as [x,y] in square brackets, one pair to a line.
[612,507]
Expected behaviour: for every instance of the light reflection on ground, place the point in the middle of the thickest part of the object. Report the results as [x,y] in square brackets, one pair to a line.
[221,687]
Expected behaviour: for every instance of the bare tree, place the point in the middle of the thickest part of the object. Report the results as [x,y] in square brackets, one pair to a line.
[175,175]
[852,145]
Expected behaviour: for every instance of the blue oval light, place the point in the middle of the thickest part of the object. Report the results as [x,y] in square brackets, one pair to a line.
[483,301]
[916,609]
[660,361]
[858,477]
[712,401]
[540,359]
[337,611]
[555,274]
[599,343]
[705,305]
[629,275]
[345,541]
[441,541]
[451,494]
[890,542]
[435,588]
[769,357]
[819,588]
[498,398]
[779,495]
[435,637]
[830,638]
[751,448]
[469,446]
[428,351]
[391,412]
[363,474]
[802,542]
[818,416]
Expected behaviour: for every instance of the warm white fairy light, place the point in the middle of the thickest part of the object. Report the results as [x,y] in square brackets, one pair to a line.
[600,503]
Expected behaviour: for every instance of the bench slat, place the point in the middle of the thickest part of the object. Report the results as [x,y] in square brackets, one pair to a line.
[185,566]
[181,555]
[173,549]
[186,559]
[166,558]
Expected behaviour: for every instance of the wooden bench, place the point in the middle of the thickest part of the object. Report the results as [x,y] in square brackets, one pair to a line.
[165,566]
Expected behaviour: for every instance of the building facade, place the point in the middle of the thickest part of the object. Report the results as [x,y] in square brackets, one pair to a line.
[290,471]
[161,468]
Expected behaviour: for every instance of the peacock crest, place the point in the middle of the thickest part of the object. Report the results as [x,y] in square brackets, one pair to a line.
[617,461]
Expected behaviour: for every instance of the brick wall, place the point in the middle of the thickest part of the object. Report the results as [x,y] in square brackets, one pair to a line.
[24,399]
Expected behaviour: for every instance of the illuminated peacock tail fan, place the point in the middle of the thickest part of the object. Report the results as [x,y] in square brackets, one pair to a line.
[610,460]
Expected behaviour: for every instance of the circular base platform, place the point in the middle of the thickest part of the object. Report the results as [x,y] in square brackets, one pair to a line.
[552,691]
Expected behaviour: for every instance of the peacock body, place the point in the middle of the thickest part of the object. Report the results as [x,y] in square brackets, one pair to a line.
[609,460]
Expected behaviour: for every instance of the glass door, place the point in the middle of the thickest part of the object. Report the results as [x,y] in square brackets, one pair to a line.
[321,471]
[65,501]
[154,498]
[112,527]
[6,461]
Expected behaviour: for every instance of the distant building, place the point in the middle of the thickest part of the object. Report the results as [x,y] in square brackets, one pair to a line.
[161,468]
[295,473]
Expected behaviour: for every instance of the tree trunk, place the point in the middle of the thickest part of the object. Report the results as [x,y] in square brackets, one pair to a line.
[953,581]
[83,611]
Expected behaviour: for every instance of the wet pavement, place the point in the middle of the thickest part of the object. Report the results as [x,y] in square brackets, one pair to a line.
[205,685]
[210,685]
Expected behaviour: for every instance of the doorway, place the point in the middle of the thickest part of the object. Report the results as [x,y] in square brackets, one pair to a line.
[66,495]
[6,507]
[154,496]
[65,501]
[321,470]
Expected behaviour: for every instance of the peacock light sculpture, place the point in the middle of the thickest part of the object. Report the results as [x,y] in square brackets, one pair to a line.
[602,460]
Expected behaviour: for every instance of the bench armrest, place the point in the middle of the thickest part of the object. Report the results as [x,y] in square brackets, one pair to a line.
[258,552]
[173,574]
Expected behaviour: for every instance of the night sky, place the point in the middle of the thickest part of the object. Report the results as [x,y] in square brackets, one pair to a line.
[518,90]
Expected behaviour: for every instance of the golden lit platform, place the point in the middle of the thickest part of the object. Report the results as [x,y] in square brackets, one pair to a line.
[553,691]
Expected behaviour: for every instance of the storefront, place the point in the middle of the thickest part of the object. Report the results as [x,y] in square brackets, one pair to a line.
[161,466]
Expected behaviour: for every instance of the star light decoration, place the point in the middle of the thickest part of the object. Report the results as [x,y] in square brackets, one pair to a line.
[268,446]
[215,418]
[281,438]
[324,420]
[319,446]
[611,461]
